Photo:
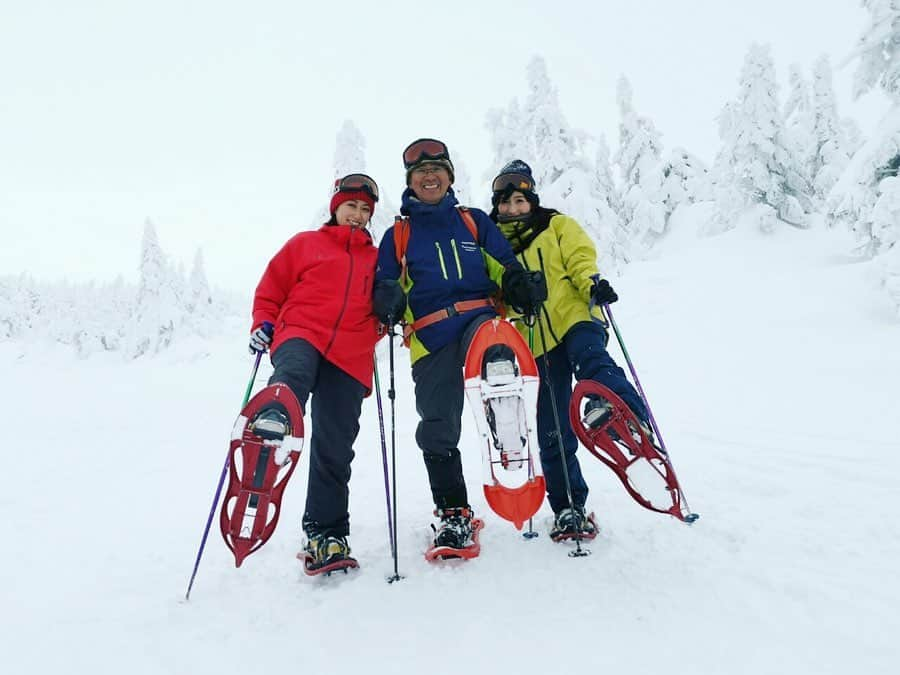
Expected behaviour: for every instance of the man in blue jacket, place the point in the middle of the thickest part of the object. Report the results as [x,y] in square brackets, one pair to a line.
[451,262]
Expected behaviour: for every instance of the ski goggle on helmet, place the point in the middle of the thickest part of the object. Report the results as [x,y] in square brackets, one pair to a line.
[356,182]
[513,182]
[423,150]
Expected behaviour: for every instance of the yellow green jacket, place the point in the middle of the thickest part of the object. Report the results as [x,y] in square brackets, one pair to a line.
[566,255]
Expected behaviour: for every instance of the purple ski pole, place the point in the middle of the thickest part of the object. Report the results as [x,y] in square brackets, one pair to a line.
[212,510]
[634,375]
[691,516]
[384,462]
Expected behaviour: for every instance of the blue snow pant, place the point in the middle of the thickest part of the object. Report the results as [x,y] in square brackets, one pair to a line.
[334,416]
[581,353]
[440,390]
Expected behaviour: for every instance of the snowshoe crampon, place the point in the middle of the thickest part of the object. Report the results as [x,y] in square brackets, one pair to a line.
[501,380]
[328,561]
[260,466]
[573,529]
[435,553]
[626,447]
[312,569]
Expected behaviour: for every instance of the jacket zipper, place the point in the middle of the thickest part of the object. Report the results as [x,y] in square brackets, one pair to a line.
[456,255]
[344,305]
[440,253]
[544,305]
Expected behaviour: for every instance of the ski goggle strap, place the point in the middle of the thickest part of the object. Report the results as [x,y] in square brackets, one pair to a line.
[355,182]
[424,149]
[518,181]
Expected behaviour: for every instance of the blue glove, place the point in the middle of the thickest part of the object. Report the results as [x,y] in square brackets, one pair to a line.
[261,338]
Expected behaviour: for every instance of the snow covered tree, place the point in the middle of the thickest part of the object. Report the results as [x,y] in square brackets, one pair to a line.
[350,157]
[538,133]
[20,306]
[556,148]
[866,198]
[830,157]
[462,185]
[799,124]
[200,308]
[755,166]
[685,180]
[349,150]
[200,294]
[509,138]
[605,198]
[156,312]
[854,200]
[878,50]
[638,158]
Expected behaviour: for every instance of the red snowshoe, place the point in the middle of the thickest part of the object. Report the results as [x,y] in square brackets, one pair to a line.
[266,443]
[570,524]
[466,552]
[627,447]
[501,379]
[325,555]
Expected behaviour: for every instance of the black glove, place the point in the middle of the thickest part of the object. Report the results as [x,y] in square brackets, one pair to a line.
[602,293]
[524,291]
[388,302]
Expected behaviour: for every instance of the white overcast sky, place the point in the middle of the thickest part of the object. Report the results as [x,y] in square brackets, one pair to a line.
[217,119]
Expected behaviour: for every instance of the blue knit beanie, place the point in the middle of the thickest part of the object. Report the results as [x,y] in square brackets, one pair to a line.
[514,170]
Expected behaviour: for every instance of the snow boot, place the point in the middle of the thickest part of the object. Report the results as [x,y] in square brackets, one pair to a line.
[596,412]
[499,368]
[499,365]
[271,424]
[569,524]
[455,530]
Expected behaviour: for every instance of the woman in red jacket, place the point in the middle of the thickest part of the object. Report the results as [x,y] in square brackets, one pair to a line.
[313,308]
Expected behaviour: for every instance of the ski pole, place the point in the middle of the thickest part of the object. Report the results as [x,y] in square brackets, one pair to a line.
[392,396]
[212,510]
[387,489]
[691,517]
[612,322]
[578,552]
[529,321]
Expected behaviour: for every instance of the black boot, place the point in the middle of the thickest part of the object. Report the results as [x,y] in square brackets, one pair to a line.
[455,530]
[597,412]
[271,424]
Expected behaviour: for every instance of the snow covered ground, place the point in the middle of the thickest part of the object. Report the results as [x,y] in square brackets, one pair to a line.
[772,368]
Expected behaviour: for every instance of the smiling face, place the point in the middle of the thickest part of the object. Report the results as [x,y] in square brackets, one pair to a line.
[430,182]
[514,206]
[353,212]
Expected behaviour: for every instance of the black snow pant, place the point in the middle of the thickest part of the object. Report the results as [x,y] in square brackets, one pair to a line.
[334,415]
[439,391]
[582,354]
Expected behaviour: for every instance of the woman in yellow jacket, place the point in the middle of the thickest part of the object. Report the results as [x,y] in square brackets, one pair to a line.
[555,244]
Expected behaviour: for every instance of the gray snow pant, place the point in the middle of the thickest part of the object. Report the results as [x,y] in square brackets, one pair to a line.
[440,389]
[334,415]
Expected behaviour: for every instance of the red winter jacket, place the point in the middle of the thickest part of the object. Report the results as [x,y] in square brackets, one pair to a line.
[318,287]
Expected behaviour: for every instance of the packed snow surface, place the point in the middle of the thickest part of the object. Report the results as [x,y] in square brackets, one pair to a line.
[769,363]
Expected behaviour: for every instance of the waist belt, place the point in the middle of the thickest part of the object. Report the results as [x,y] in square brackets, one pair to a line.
[455,309]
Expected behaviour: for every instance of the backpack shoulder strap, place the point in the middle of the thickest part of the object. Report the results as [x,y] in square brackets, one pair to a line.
[469,220]
[401,241]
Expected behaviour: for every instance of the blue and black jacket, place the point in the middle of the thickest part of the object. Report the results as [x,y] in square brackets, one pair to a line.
[444,266]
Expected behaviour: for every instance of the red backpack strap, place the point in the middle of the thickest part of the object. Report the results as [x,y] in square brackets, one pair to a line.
[401,241]
[469,221]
